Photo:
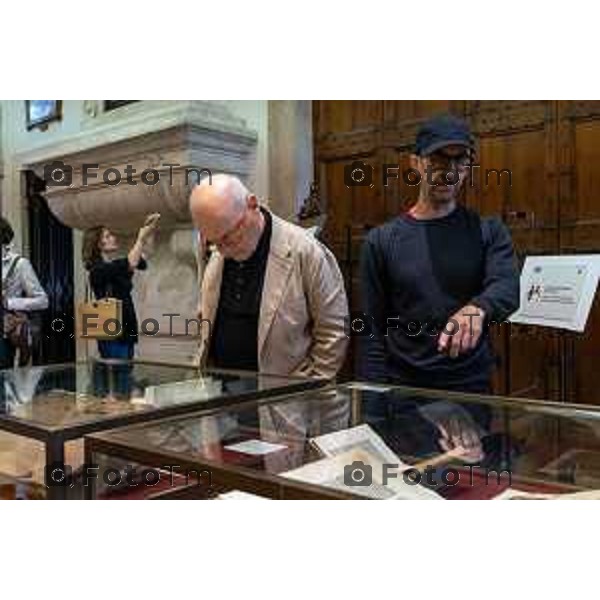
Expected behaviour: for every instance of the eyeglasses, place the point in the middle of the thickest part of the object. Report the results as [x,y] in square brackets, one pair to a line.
[441,160]
[230,236]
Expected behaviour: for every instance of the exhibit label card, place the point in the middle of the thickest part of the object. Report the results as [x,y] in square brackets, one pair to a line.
[558,291]
[366,387]
[255,447]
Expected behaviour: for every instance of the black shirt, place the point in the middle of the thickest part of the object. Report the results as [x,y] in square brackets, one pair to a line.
[423,271]
[235,331]
[113,279]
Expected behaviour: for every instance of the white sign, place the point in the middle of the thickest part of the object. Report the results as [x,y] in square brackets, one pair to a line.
[255,447]
[558,291]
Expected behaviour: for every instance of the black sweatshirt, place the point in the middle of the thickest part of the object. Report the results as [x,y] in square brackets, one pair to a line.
[415,275]
[235,333]
[114,279]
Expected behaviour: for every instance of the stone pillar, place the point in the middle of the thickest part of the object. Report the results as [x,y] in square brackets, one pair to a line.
[290,155]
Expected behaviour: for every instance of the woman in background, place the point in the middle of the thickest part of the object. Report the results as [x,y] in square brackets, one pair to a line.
[112,277]
[22,293]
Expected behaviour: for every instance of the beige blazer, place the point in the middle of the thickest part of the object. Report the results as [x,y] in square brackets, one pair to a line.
[303,307]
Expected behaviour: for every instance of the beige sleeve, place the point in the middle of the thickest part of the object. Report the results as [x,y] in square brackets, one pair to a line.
[329,310]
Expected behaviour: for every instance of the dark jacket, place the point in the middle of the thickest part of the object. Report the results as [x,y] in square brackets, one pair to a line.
[114,279]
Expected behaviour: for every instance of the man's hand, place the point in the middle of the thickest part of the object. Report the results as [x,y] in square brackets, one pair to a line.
[460,437]
[457,340]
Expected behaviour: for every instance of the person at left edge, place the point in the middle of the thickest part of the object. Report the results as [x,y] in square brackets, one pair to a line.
[112,277]
[21,289]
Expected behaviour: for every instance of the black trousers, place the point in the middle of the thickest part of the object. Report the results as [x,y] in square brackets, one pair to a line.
[7,354]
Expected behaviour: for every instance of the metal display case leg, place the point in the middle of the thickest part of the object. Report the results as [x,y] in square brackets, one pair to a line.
[89,486]
[55,459]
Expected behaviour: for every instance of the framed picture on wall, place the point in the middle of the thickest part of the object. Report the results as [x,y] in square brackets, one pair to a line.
[41,112]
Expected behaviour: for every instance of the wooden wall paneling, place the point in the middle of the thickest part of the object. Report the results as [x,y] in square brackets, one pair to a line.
[519,137]
[582,374]
[579,206]
[401,119]
[397,112]
[366,114]
[344,116]
[346,132]
[579,136]
[491,200]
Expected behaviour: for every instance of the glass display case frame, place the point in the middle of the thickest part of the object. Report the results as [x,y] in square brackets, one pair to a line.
[55,437]
[127,443]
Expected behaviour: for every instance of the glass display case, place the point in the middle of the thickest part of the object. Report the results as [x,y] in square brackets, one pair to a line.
[356,441]
[45,411]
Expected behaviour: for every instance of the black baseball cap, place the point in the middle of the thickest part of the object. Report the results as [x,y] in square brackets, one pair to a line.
[443,130]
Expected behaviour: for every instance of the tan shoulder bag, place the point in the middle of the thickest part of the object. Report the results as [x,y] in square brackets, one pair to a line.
[99,319]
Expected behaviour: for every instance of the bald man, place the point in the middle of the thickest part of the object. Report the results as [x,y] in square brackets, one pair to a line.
[274,295]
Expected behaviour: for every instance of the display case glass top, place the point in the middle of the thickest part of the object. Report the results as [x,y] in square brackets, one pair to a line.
[76,395]
[366,441]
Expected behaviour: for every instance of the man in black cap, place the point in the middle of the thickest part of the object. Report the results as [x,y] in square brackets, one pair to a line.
[434,277]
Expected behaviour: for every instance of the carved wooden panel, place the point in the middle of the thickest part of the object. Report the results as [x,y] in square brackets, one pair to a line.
[402,119]
[581,109]
[494,117]
[343,116]
[513,180]
[579,146]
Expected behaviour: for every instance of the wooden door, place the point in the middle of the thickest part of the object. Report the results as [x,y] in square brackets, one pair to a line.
[579,205]
[347,131]
[516,181]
